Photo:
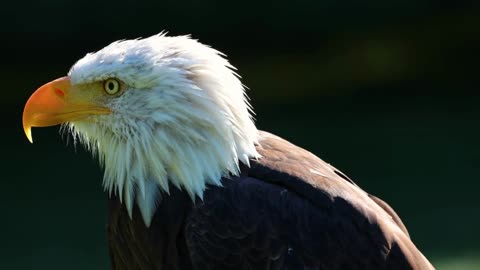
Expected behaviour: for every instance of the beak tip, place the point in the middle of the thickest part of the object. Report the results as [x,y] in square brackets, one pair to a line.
[28,133]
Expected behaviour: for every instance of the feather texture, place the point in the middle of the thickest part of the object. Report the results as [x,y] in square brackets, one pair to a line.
[194,185]
[277,214]
[183,118]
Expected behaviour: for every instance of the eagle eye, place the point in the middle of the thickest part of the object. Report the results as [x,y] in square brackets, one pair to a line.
[111,86]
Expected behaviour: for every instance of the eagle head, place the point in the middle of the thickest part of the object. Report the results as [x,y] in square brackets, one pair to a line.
[155,111]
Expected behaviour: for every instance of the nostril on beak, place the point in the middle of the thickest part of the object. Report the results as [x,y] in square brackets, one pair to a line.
[59,92]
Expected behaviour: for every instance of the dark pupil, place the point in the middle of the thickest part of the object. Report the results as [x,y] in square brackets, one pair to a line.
[111,86]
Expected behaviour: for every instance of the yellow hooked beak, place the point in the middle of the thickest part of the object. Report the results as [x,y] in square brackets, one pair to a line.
[55,103]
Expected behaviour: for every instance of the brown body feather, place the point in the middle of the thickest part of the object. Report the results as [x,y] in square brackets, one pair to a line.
[289,210]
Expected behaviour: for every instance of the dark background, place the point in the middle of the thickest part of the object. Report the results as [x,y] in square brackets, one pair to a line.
[387,91]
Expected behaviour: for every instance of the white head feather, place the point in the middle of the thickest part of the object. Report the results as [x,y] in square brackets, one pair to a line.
[183,119]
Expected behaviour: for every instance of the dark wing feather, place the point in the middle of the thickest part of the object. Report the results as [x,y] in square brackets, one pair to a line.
[391,212]
[290,208]
[133,246]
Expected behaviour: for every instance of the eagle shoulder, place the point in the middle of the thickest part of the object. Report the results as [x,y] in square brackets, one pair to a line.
[288,210]
[291,208]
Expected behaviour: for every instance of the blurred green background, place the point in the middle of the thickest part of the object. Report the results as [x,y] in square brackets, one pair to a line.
[387,91]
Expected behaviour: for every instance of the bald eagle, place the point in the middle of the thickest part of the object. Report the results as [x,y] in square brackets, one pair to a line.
[192,183]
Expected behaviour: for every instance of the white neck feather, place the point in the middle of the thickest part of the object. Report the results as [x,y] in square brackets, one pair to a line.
[189,127]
